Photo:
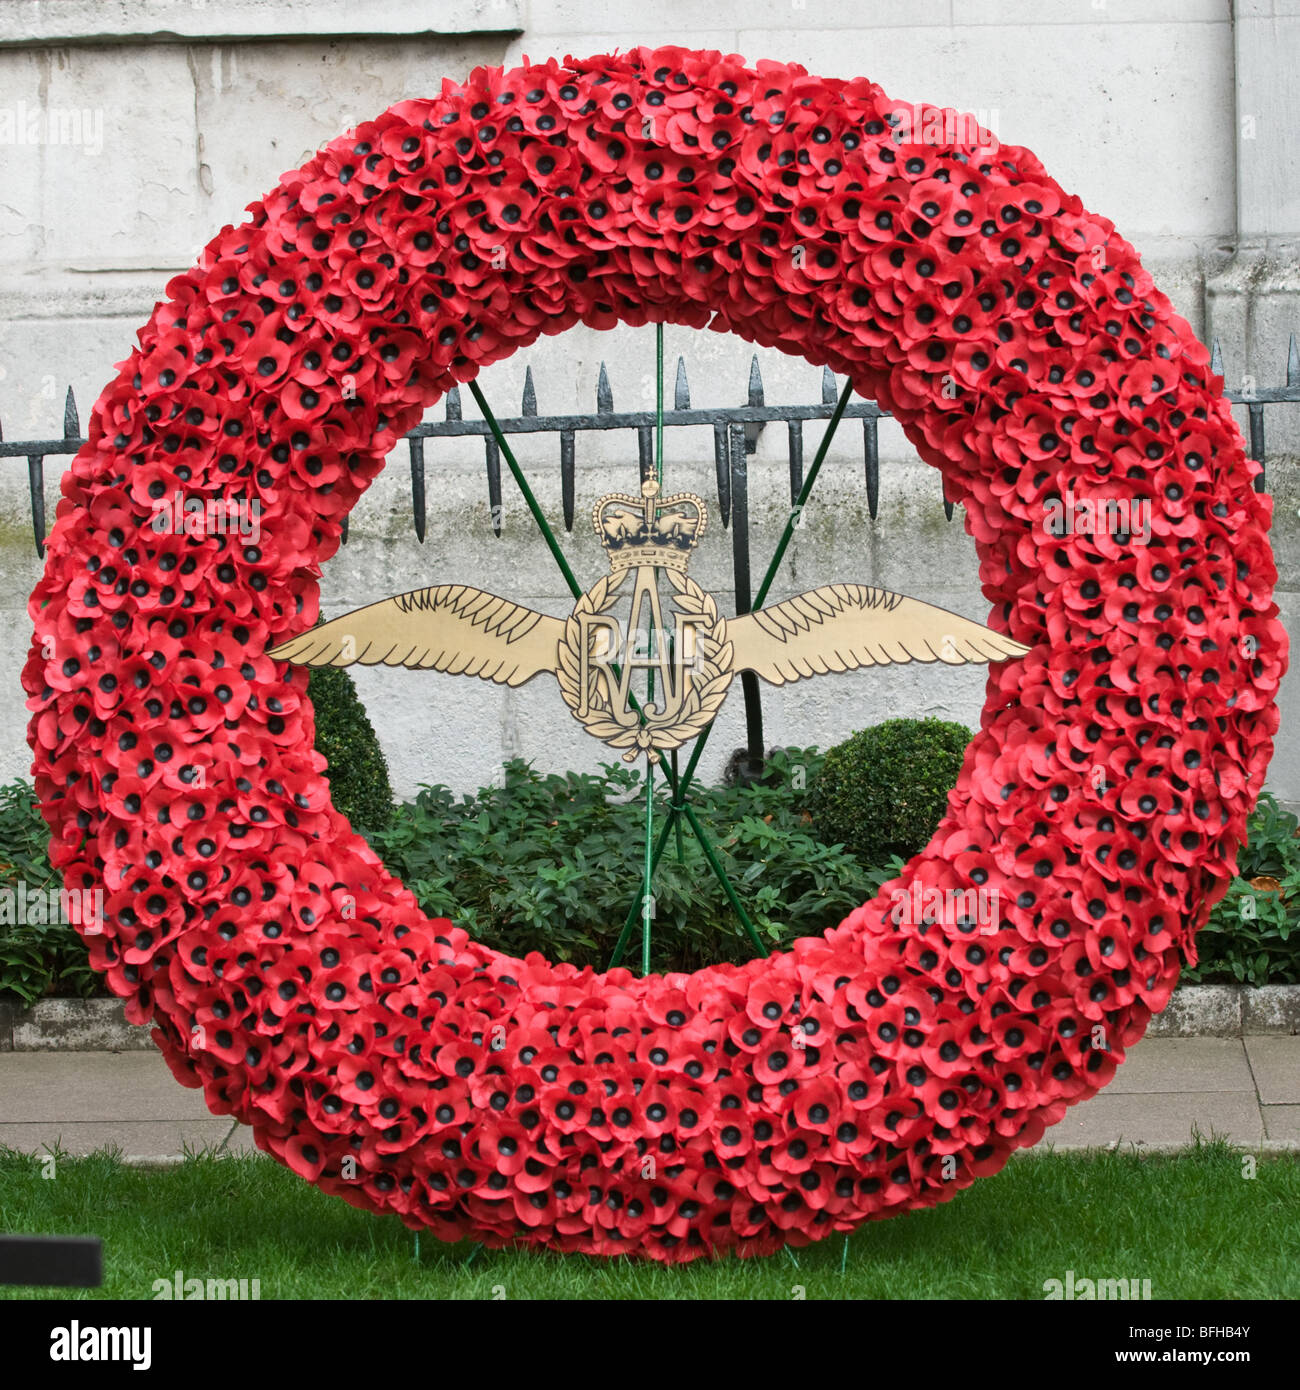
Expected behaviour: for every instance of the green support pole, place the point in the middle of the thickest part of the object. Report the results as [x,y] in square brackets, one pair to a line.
[542,525]
[683,785]
[659,402]
[630,921]
[736,905]
[678,784]
[549,536]
[647,894]
[804,492]
[647,890]
[681,850]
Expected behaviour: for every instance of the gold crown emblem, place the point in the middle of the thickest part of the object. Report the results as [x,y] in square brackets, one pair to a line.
[649,530]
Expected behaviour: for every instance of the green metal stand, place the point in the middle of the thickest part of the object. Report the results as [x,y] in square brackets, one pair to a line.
[679,807]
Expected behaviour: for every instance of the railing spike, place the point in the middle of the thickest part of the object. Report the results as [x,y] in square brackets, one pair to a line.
[36,495]
[1258,449]
[645,445]
[71,426]
[722,463]
[1216,358]
[566,476]
[453,404]
[604,395]
[682,392]
[755,382]
[794,431]
[754,741]
[493,457]
[418,513]
[529,406]
[740,517]
[1293,364]
[830,393]
[871,453]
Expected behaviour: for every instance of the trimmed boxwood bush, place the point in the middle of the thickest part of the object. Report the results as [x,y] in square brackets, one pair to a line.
[883,791]
[358,770]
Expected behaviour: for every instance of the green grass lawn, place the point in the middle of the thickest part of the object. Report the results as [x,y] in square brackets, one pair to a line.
[1191,1223]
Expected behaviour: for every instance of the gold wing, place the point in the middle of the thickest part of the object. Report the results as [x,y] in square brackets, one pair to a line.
[447,627]
[841,627]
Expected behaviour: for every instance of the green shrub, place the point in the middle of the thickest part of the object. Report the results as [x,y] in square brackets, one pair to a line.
[358,770]
[36,958]
[883,791]
[1253,933]
[554,863]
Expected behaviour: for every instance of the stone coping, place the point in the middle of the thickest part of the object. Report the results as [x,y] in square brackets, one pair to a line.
[32,22]
[1195,1011]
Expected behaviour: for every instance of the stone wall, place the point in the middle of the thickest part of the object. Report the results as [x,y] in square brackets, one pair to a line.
[159,122]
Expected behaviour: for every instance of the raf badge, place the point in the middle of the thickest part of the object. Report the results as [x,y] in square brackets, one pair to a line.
[615,630]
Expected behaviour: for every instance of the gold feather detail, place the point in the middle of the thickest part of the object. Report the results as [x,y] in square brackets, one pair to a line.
[842,627]
[446,627]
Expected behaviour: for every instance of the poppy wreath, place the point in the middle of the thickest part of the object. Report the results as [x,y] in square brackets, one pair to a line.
[881,1067]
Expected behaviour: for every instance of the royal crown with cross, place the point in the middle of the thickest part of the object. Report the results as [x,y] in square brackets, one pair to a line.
[649,530]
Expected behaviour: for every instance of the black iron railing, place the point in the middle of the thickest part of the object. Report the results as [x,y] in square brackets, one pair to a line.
[735,432]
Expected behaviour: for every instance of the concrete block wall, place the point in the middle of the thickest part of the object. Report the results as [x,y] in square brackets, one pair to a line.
[1172,117]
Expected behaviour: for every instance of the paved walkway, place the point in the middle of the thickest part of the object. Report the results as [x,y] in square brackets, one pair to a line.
[1245,1089]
